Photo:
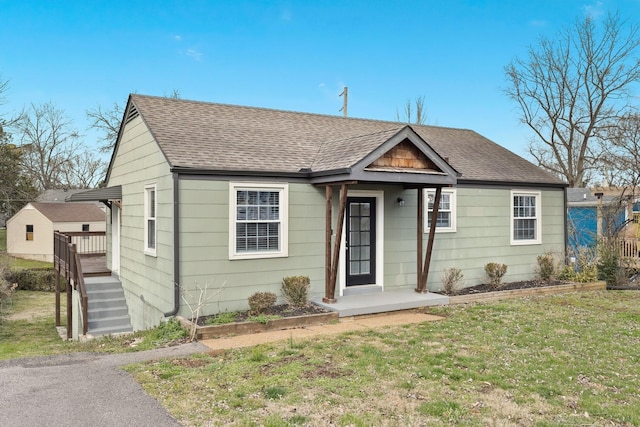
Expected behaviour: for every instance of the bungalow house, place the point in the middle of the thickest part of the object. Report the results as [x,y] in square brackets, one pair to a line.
[235,198]
[30,230]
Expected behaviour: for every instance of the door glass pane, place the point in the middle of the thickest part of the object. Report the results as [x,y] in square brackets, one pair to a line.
[364,267]
[364,224]
[354,238]
[364,238]
[354,224]
[355,209]
[354,253]
[354,267]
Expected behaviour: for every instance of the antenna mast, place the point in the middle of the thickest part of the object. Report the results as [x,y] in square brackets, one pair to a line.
[344,93]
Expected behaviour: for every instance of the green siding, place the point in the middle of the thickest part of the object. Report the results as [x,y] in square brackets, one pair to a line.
[482,236]
[204,246]
[147,280]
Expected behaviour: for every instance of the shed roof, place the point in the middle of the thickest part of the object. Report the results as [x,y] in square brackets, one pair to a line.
[70,212]
[217,137]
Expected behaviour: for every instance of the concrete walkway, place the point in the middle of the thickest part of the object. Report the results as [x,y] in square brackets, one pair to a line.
[345,325]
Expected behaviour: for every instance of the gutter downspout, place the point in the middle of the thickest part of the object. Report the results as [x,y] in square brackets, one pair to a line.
[176,247]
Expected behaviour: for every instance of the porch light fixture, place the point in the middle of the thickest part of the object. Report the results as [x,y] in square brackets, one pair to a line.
[400,202]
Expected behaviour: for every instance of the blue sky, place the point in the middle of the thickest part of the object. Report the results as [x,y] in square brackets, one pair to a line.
[290,55]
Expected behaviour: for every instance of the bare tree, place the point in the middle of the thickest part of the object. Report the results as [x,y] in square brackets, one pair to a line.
[621,148]
[85,170]
[49,144]
[570,88]
[107,122]
[409,115]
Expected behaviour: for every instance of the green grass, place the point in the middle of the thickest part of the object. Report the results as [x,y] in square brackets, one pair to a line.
[569,359]
[27,328]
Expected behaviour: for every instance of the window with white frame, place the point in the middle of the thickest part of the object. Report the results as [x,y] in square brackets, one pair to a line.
[258,225]
[525,217]
[150,219]
[446,219]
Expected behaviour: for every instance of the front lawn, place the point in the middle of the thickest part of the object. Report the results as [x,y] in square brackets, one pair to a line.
[27,328]
[571,359]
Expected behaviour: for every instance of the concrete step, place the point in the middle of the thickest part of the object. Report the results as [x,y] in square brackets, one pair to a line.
[107,310]
[110,331]
[109,322]
[105,294]
[98,303]
[105,313]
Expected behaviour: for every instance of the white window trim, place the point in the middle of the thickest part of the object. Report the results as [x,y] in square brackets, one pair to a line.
[538,239]
[453,208]
[147,249]
[283,189]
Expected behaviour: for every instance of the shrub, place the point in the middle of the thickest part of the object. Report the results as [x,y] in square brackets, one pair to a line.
[546,267]
[495,272]
[451,280]
[261,301]
[296,290]
[608,268]
[34,279]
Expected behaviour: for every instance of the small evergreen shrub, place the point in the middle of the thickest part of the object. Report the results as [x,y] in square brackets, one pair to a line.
[546,267]
[495,272]
[260,302]
[296,290]
[608,265]
[451,280]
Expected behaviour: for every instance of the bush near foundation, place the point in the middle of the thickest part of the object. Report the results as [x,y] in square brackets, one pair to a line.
[296,290]
[260,302]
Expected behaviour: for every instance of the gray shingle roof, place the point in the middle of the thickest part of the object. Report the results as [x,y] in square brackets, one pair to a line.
[207,136]
[70,212]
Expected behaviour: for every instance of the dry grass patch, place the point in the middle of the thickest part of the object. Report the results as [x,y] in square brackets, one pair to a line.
[502,363]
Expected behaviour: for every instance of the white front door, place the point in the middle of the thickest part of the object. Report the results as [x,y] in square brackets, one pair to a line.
[115,239]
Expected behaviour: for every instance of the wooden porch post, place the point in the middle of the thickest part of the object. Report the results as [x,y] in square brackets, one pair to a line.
[328,295]
[422,286]
[335,255]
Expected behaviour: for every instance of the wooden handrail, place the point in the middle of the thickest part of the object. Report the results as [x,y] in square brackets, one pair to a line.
[78,281]
[66,261]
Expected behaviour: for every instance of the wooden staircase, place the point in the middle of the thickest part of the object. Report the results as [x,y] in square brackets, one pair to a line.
[107,311]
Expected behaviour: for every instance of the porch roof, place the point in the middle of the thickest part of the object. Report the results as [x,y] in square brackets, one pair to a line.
[99,194]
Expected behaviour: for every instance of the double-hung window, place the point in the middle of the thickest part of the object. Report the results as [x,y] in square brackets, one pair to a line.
[150,212]
[446,219]
[525,218]
[258,220]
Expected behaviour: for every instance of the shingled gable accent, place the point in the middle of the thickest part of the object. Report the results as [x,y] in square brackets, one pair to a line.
[372,168]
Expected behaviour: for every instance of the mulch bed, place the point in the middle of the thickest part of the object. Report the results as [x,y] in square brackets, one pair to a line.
[527,284]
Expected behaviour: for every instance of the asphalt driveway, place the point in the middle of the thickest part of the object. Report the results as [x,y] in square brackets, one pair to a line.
[81,389]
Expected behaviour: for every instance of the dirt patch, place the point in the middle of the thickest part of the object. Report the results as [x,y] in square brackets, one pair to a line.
[32,306]
[281,311]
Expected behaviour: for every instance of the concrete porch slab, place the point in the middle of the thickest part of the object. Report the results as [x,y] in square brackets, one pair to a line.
[382,302]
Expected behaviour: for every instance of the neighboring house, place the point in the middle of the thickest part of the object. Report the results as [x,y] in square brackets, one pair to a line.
[236,198]
[582,217]
[30,230]
[57,196]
